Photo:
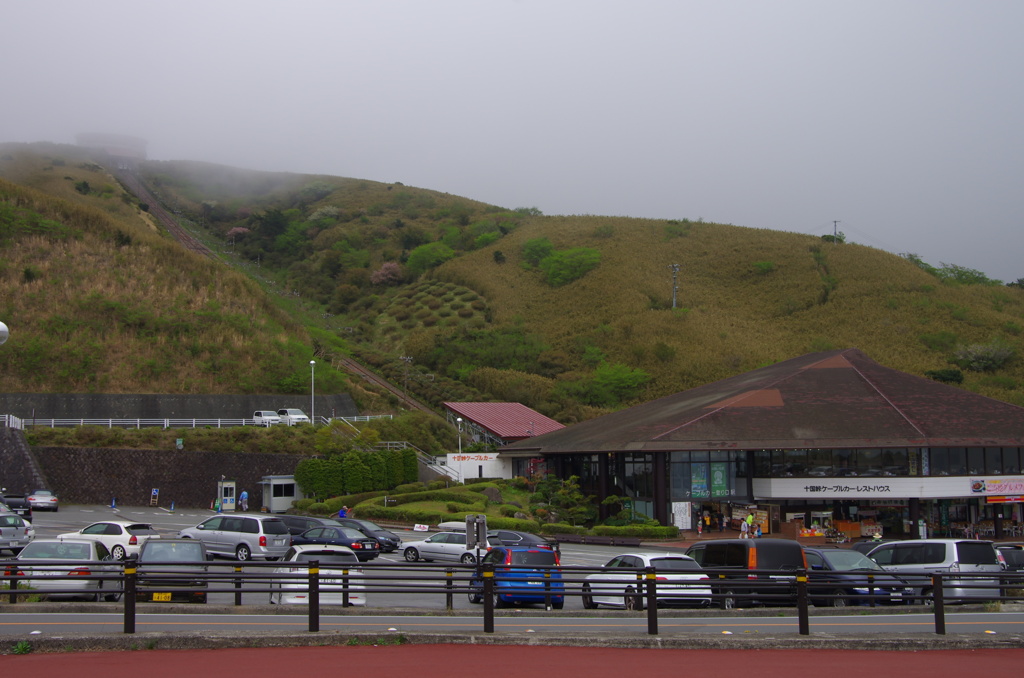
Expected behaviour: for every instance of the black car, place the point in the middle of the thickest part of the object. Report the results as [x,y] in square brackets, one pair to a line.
[751,571]
[841,577]
[172,570]
[389,541]
[18,503]
[299,524]
[516,538]
[365,548]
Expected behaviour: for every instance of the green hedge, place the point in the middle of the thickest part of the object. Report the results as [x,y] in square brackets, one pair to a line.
[562,528]
[646,531]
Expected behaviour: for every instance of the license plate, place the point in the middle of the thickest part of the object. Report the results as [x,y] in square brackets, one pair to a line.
[279,542]
[896,594]
[535,583]
[161,597]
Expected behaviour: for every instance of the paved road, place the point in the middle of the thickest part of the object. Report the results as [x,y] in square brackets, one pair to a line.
[442,661]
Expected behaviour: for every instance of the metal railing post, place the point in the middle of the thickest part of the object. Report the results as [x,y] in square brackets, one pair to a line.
[12,582]
[449,585]
[488,577]
[939,604]
[652,601]
[238,586]
[130,574]
[547,589]
[871,590]
[802,603]
[314,596]
[344,588]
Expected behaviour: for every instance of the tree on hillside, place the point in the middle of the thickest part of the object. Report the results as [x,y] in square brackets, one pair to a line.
[428,256]
[561,268]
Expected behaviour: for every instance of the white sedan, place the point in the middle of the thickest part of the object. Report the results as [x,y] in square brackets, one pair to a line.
[679,580]
[122,538]
[339,571]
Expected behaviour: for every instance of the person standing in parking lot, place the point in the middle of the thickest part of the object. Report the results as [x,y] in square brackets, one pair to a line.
[243,500]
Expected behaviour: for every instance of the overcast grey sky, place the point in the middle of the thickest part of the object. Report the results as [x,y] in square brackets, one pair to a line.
[899,118]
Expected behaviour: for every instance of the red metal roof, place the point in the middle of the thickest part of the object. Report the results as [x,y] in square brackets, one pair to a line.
[833,399]
[508,421]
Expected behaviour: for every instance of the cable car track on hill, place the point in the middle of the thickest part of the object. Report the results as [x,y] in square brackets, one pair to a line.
[353,367]
[187,240]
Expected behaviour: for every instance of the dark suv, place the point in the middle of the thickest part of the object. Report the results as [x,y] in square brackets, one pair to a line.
[18,503]
[732,563]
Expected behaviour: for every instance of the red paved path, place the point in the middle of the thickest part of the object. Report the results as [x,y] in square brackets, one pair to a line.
[509,661]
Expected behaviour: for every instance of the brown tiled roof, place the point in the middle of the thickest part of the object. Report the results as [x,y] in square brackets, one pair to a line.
[835,399]
[508,421]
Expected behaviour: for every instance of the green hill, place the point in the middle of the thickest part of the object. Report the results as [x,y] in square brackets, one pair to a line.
[455,299]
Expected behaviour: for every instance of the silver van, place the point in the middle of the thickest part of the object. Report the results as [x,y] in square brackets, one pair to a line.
[243,537]
[970,556]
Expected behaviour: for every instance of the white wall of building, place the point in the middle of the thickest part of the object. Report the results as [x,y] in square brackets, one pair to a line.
[471,466]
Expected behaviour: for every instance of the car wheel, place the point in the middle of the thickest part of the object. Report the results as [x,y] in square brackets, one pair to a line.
[728,601]
[557,604]
[927,597]
[468,558]
[112,597]
[118,552]
[242,552]
[633,601]
[839,598]
[588,599]
[498,602]
[476,597]
[411,555]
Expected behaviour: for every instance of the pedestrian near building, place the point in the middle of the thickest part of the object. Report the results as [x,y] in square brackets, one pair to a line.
[744,526]
[343,512]
[243,500]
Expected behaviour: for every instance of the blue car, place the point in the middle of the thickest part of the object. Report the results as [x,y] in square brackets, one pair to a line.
[522,575]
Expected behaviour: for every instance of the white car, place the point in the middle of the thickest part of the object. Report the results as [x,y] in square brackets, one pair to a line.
[266,418]
[15,532]
[679,581]
[122,538]
[336,563]
[443,546]
[54,561]
[291,417]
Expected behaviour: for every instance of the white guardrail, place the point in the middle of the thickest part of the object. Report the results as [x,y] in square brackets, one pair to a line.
[11,421]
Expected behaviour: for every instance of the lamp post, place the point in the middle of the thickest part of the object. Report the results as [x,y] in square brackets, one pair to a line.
[459,422]
[312,392]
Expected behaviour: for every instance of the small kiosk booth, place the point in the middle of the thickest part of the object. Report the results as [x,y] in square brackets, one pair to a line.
[278,493]
[225,496]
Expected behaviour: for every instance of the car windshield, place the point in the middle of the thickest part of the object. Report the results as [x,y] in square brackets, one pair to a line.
[42,493]
[141,529]
[850,560]
[172,552]
[351,533]
[10,521]
[329,557]
[533,558]
[675,564]
[275,526]
[371,526]
[60,550]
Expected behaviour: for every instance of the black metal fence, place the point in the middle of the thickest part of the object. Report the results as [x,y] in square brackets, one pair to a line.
[642,591]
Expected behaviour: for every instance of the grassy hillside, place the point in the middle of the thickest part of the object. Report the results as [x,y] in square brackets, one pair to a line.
[98,301]
[447,297]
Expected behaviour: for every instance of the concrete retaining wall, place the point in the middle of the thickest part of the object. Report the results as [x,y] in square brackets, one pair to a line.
[188,478]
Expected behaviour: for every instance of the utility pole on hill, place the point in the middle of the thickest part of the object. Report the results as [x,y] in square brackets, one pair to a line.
[675,282]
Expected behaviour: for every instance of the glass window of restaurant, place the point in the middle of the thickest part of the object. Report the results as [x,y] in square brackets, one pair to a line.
[707,475]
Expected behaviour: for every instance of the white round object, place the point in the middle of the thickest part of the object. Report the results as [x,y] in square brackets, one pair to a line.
[3,333]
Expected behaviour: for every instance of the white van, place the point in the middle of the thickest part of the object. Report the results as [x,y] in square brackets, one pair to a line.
[968,556]
[265,418]
[291,417]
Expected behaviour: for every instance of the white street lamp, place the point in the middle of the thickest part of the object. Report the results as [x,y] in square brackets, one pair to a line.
[459,422]
[4,333]
[312,392]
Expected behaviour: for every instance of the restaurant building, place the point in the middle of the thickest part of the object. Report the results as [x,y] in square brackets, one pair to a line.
[831,438]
